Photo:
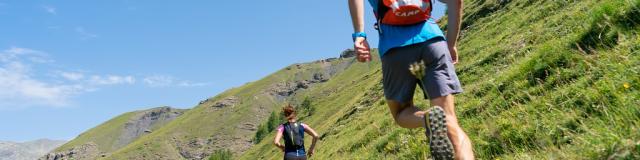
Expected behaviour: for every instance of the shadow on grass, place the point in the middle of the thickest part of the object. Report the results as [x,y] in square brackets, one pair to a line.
[487,8]
[605,30]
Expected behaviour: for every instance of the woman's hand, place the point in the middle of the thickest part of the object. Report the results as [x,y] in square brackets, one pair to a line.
[313,134]
[276,140]
[281,147]
[311,152]
[361,46]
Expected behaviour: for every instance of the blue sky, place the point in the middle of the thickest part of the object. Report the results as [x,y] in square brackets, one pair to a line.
[67,66]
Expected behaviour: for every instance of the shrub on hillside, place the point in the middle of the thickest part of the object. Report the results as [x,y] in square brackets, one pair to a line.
[307,107]
[264,129]
[222,154]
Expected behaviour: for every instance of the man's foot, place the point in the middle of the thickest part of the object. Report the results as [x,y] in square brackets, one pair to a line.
[436,126]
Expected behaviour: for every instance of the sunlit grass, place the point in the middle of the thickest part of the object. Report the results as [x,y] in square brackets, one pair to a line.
[542,80]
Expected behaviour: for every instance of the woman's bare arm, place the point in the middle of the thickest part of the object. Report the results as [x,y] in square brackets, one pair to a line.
[313,134]
[276,141]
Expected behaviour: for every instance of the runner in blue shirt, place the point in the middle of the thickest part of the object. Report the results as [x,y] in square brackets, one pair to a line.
[409,35]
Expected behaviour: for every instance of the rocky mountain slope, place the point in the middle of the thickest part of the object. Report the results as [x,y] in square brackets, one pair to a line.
[114,134]
[230,119]
[27,150]
[227,121]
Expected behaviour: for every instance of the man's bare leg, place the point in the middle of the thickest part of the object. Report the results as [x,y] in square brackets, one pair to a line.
[460,140]
[406,115]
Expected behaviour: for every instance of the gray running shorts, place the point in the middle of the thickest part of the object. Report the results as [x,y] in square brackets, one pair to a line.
[440,78]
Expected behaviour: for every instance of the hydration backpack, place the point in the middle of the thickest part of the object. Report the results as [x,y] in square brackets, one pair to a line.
[403,12]
[293,136]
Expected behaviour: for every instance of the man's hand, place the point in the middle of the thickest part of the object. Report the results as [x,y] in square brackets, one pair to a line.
[454,11]
[454,54]
[361,46]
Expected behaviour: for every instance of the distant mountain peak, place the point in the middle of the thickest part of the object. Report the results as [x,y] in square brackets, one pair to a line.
[28,150]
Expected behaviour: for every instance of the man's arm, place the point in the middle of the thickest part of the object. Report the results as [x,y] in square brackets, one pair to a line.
[454,12]
[356,8]
[360,44]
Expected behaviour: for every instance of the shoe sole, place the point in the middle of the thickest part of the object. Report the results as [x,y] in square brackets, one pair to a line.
[439,143]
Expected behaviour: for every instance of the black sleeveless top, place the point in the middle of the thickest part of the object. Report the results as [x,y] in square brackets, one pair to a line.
[293,136]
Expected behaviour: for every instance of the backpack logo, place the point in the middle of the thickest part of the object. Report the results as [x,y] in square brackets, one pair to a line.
[405,12]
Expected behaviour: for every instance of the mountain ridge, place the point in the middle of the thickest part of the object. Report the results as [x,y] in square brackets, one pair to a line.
[114,133]
[28,150]
[249,105]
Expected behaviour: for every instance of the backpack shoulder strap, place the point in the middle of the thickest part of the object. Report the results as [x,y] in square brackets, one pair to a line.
[301,127]
[433,2]
[381,10]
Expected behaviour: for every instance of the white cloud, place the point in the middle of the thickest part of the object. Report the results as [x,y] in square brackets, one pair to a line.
[18,88]
[50,9]
[158,81]
[169,81]
[111,80]
[14,53]
[72,76]
[84,34]
[23,85]
[192,84]
[20,54]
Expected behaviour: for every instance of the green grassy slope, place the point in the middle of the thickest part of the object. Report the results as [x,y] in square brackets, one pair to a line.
[104,135]
[204,129]
[543,80]
[107,136]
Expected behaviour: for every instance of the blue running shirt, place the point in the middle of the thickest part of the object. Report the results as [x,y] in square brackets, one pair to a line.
[399,36]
